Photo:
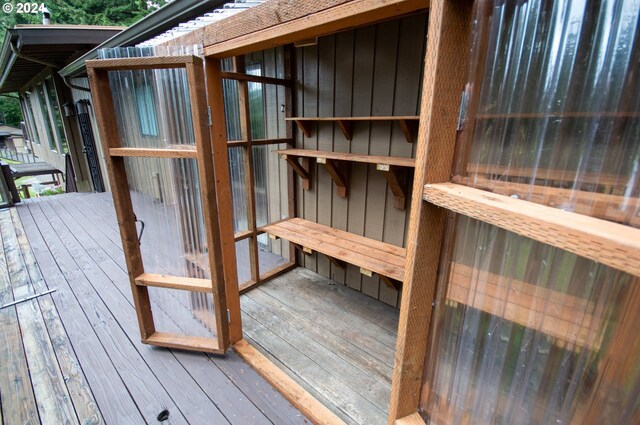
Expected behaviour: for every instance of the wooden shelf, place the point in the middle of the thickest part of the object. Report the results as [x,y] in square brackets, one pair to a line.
[408,124]
[370,255]
[183,342]
[393,168]
[174,282]
[182,152]
[611,244]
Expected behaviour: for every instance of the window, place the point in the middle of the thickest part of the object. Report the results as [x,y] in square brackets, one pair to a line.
[54,108]
[145,106]
[44,107]
[33,130]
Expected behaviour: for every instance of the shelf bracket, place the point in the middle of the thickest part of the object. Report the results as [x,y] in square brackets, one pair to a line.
[339,173]
[409,128]
[396,177]
[345,127]
[391,283]
[304,126]
[339,263]
[299,169]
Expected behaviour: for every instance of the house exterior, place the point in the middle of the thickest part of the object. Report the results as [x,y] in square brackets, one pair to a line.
[30,58]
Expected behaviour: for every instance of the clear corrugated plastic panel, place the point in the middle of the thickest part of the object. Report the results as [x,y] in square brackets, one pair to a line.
[153,110]
[553,105]
[524,333]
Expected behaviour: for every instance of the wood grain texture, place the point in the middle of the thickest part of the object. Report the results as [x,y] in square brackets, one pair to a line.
[240,76]
[413,419]
[218,134]
[16,393]
[127,64]
[50,391]
[193,380]
[444,75]
[108,129]
[316,19]
[352,249]
[81,394]
[292,391]
[206,175]
[344,156]
[189,152]
[174,282]
[612,244]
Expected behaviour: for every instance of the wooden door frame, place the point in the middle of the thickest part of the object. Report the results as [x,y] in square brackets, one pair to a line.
[98,72]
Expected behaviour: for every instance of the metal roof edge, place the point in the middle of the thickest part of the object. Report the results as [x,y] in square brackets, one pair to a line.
[162,19]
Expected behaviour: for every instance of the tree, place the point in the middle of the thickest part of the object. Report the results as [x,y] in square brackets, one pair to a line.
[10,112]
[74,12]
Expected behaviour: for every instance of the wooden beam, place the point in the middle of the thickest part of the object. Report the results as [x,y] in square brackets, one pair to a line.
[249,182]
[154,153]
[239,76]
[339,172]
[281,269]
[304,127]
[259,142]
[183,342]
[290,74]
[218,133]
[443,81]
[345,156]
[322,21]
[391,283]
[207,179]
[408,128]
[345,127]
[304,175]
[131,64]
[611,244]
[108,130]
[317,412]
[174,282]
[396,183]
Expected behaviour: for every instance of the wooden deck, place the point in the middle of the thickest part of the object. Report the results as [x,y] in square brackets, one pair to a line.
[75,356]
[334,341]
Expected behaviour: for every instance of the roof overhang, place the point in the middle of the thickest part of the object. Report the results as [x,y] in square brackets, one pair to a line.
[28,49]
[167,17]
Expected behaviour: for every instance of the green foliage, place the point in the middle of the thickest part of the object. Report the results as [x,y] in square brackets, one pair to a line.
[85,12]
[53,191]
[10,112]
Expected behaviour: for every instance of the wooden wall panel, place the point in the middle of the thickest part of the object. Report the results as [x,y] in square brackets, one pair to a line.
[374,70]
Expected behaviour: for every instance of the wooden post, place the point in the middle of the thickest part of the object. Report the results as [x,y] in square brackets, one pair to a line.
[444,74]
[290,74]
[103,104]
[247,160]
[208,195]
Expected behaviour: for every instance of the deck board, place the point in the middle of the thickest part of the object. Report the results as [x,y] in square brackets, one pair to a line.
[342,356]
[69,243]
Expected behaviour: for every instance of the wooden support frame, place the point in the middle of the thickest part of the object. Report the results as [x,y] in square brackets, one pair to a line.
[612,244]
[105,111]
[443,81]
[339,172]
[396,179]
[302,170]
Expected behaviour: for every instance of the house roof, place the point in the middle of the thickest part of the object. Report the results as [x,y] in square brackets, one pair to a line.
[9,130]
[28,49]
[163,19]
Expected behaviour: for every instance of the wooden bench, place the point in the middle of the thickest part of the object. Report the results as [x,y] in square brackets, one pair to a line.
[370,255]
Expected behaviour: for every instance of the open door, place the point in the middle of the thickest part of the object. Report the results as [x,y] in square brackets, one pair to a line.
[153,123]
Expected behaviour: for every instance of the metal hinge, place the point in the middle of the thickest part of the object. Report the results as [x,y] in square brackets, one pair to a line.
[209,115]
[228,316]
[464,101]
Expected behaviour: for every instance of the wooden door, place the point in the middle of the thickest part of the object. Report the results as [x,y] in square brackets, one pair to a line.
[209,282]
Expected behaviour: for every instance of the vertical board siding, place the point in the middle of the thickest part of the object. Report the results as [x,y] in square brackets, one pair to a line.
[374,70]
[78,95]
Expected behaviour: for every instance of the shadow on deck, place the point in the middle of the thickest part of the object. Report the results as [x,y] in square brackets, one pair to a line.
[75,356]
